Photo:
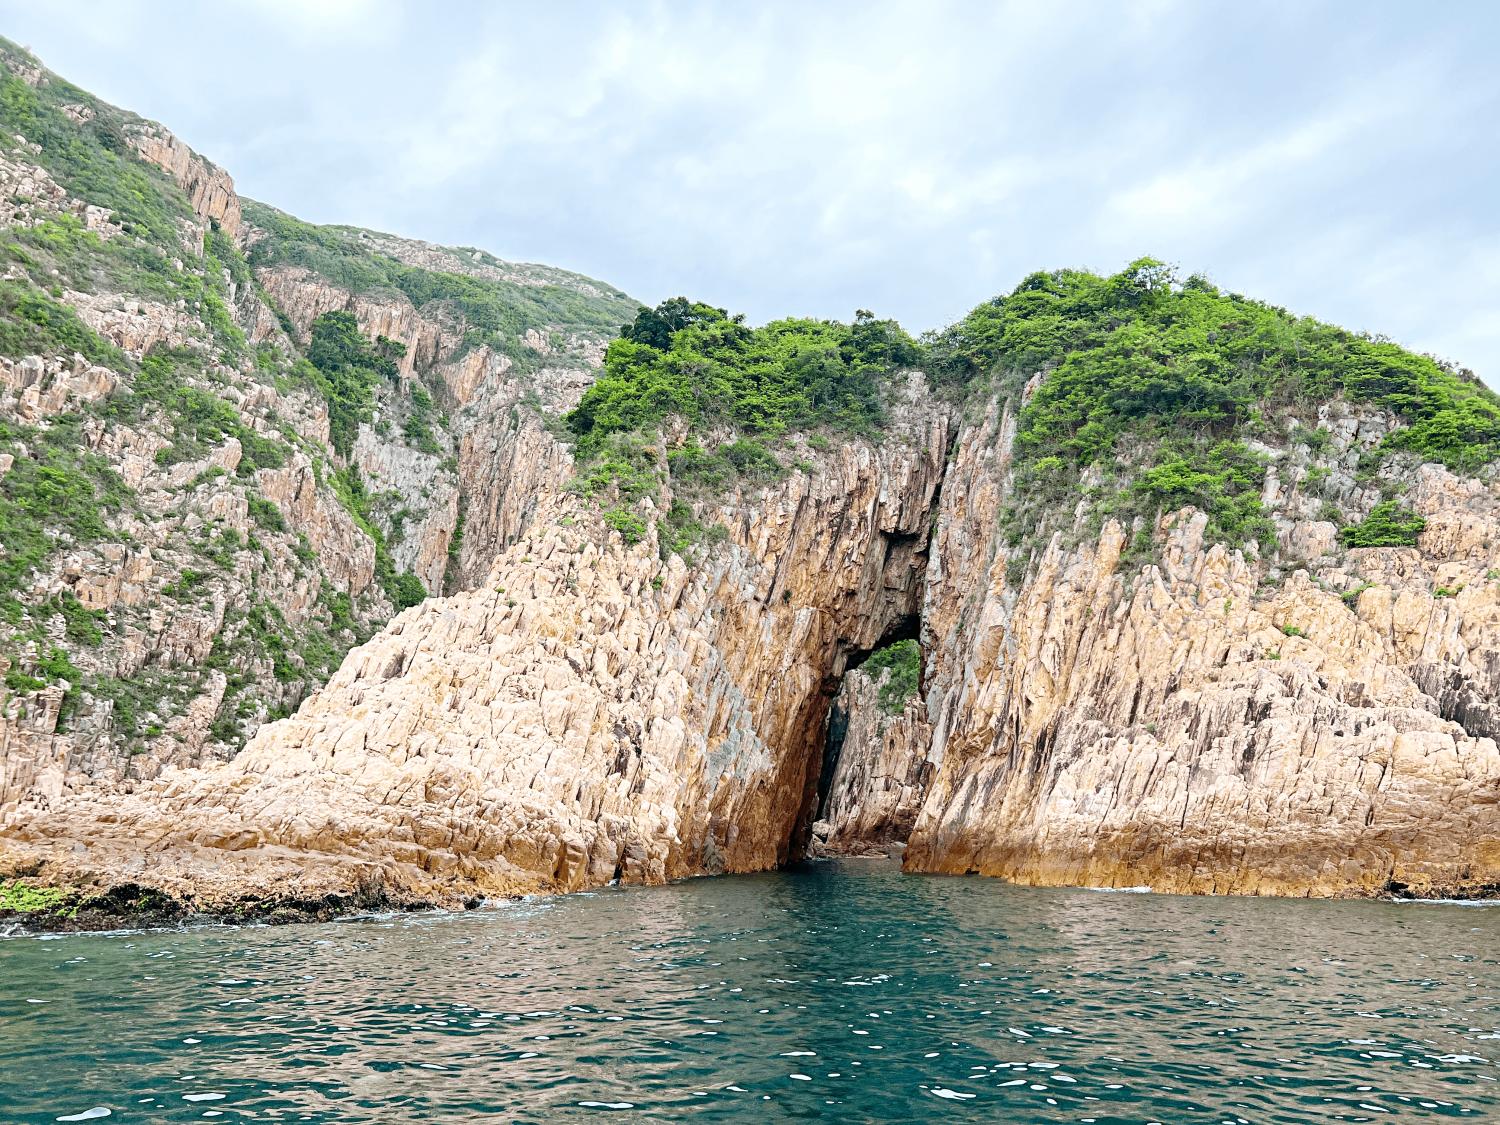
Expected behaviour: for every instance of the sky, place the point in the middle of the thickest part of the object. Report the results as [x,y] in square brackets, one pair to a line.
[1339,159]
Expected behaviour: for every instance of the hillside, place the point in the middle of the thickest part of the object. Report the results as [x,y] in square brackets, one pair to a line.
[447,577]
[222,469]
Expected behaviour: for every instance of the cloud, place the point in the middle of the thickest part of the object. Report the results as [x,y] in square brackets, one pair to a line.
[326,22]
[914,159]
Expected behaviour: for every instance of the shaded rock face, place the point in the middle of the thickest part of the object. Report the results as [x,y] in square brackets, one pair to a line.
[877,769]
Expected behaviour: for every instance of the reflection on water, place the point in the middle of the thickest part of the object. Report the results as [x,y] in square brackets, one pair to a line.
[838,991]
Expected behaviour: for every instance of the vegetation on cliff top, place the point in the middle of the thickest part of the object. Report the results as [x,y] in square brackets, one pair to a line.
[88,152]
[1154,393]
[1156,384]
[697,364]
[493,311]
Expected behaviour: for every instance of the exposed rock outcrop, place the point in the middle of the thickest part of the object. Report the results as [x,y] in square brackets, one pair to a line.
[209,189]
[877,769]
[589,712]
[1197,727]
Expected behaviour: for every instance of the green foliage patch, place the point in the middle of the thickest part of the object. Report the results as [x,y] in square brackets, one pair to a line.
[1387,525]
[200,420]
[1156,383]
[693,362]
[93,160]
[55,494]
[493,311]
[348,369]
[403,589]
[903,660]
[32,323]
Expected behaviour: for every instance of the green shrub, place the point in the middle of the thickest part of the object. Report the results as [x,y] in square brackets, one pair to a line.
[266,514]
[417,429]
[31,323]
[21,682]
[1388,525]
[681,531]
[1153,380]
[186,584]
[409,591]
[697,363]
[80,624]
[55,494]
[632,527]
[694,361]
[348,369]
[903,660]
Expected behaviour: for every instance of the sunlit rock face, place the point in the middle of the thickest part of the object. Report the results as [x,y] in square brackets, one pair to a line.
[589,712]
[1197,728]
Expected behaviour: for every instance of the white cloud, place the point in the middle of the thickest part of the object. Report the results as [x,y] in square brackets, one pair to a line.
[914,159]
[327,22]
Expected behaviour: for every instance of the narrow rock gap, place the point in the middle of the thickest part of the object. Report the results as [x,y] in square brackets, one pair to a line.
[836,726]
[824,747]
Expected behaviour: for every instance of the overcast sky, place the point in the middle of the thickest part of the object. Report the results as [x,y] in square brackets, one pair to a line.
[1340,159]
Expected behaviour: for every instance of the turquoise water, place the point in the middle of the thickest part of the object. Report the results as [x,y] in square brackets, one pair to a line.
[844,992]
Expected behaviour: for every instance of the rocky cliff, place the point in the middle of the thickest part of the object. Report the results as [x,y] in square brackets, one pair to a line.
[1215,722]
[188,547]
[366,575]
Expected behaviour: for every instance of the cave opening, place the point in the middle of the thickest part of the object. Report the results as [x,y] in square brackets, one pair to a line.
[834,728]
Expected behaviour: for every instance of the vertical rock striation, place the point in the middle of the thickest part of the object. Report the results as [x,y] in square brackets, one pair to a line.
[588,712]
[877,769]
[1196,727]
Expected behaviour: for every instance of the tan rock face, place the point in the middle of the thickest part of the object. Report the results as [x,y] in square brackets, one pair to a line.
[589,712]
[1195,729]
[209,189]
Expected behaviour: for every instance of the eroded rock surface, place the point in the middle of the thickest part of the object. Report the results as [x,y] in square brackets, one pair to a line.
[878,769]
[589,712]
[1204,726]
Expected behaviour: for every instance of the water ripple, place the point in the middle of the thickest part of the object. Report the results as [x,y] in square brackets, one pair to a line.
[840,992]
